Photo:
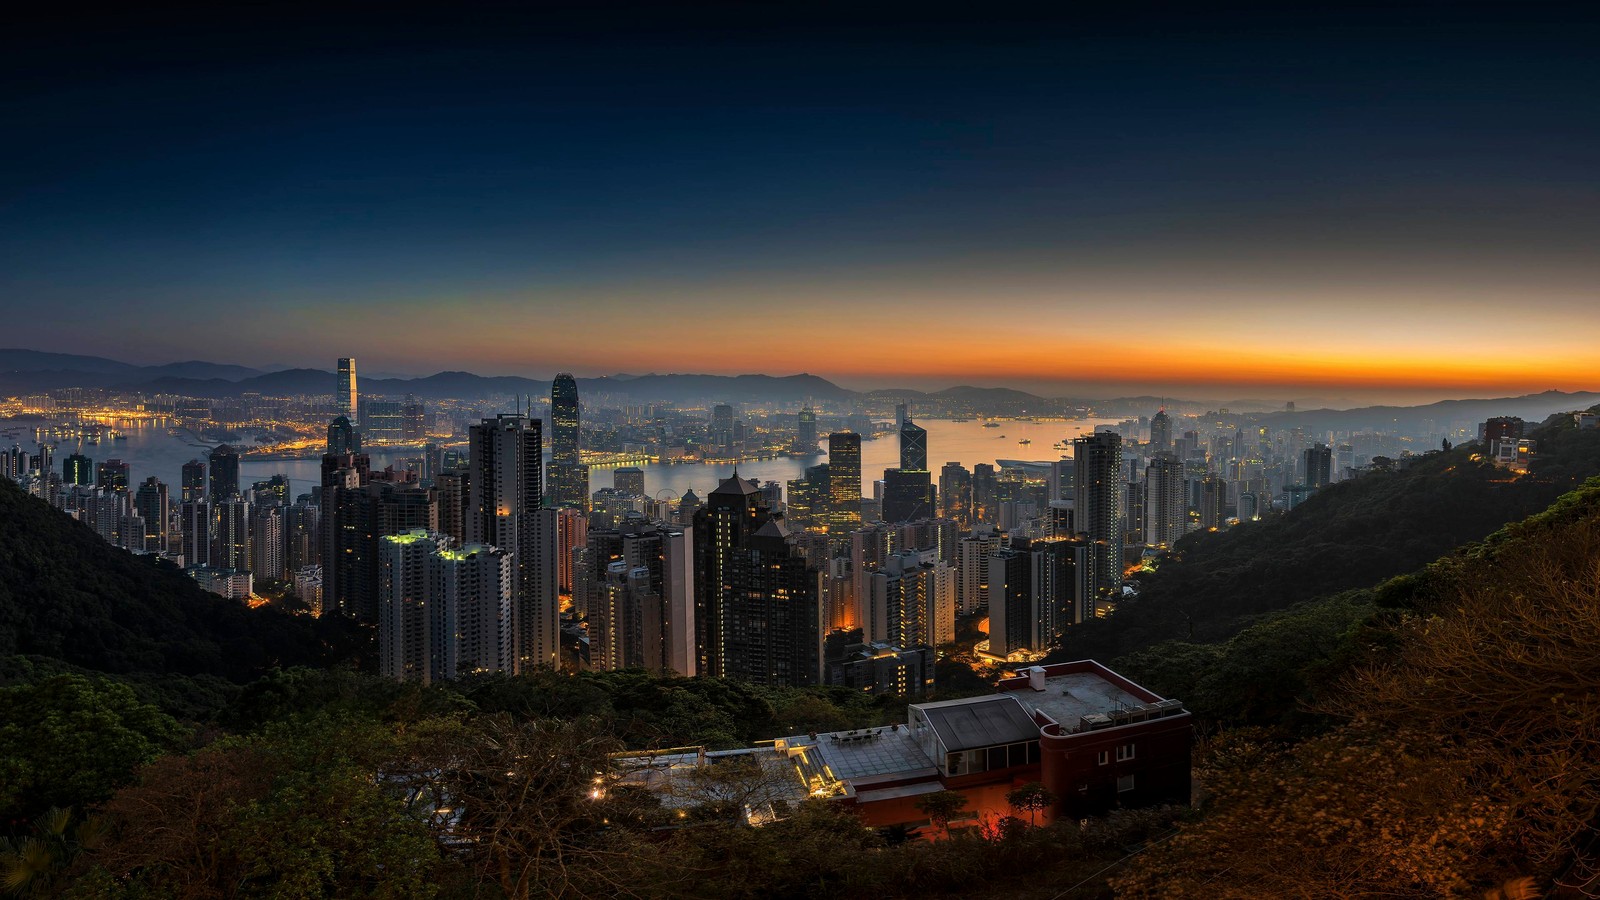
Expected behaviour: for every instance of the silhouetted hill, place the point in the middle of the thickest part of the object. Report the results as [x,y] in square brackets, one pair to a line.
[680,388]
[199,369]
[1533,407]
[19,360]
[970,394]
[68,595]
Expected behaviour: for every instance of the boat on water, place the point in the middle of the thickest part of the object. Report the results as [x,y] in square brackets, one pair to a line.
[991,424]
[1025,441]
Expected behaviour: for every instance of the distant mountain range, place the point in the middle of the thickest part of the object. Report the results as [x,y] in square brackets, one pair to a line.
[30,371]
[1532,407]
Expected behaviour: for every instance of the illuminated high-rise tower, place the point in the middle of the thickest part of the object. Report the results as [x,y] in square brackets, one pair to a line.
[844,482]
[1097,511]
[569,477]
[344,392]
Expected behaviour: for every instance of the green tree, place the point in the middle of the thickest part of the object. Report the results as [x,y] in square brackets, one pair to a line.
[942,806]
[1032,798]
[70,741]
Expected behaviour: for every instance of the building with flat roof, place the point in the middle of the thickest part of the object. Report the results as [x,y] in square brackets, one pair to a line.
[1097,741]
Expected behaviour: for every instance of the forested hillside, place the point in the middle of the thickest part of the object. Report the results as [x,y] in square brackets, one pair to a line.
[68,595]
[1461,753]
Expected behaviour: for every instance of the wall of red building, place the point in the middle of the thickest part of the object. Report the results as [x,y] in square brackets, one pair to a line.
[1071,769]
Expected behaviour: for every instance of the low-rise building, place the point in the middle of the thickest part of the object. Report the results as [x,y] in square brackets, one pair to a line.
[1095,739]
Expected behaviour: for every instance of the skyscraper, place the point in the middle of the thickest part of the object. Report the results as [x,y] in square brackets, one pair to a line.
[302,532]
[267,543]
[345,397]
[443,610]
[908,491]
[955,493]
[382,421]
[113,474]
[910,601]
[1013,618]
[470,588]
[230,536]
[807,509]
[572,533]
[972,591]
[197,527]
[732,513]
[637,586]
[772,615]
[1097,509]
[194,481]
[1060,584]
[629,480]
[224,465]
[569,477]
[151,503]
[1214,502]
[357,510]
[758,609]
[805,440]
[1319,466]
[77,469]
[342,437]
[721,433]
[1161,431]
[507,490]
[913,446]
[844,482]
[1166,514]
[410,639]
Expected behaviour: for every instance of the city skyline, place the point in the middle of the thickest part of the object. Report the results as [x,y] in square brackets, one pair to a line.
[1377,204]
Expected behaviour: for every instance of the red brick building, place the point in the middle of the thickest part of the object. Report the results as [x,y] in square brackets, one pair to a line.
[1095,739]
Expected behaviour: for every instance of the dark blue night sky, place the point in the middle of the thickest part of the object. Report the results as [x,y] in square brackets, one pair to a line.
[510,190]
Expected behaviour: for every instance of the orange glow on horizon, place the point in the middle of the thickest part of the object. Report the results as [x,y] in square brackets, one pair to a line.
[1061,339]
